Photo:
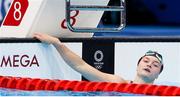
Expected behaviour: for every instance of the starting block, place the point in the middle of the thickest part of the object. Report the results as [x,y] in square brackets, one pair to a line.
[54,17]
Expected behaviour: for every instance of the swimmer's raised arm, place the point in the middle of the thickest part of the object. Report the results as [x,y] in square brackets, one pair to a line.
[76,62]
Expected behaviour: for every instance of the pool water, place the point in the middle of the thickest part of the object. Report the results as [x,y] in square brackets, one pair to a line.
[14,92]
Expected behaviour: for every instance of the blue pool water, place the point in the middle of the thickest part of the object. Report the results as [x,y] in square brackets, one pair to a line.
[14,92]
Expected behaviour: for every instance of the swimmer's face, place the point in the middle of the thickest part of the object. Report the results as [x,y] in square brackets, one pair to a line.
[149,67]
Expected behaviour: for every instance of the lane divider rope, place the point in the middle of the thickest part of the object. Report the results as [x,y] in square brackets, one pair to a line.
[32,84]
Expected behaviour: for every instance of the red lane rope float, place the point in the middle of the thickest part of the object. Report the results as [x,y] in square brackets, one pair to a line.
[40,85]
[55,85]
[60,85]
[89,86]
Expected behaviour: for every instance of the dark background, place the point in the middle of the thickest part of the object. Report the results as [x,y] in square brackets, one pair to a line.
[146,12]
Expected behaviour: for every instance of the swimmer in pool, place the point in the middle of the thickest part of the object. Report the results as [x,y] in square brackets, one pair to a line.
[148,69]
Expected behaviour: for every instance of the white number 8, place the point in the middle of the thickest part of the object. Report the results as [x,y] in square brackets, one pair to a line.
[17,7]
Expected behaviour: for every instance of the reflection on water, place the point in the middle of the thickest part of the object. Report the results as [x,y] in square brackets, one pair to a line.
[14,92]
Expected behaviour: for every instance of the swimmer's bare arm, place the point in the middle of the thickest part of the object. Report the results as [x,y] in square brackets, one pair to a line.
[77,63]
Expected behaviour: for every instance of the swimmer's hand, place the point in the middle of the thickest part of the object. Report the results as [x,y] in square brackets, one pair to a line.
[46,38]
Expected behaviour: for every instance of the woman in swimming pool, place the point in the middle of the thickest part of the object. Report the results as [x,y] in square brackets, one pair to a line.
[148,68]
